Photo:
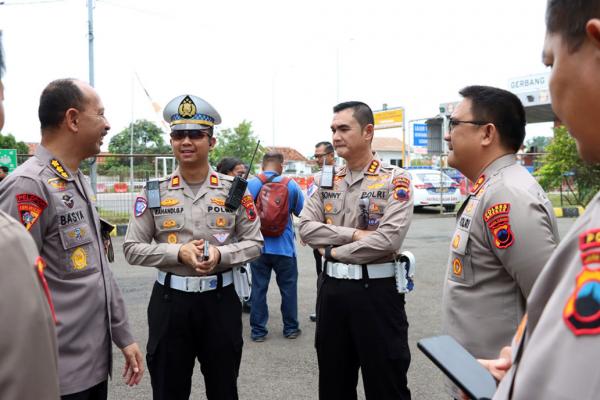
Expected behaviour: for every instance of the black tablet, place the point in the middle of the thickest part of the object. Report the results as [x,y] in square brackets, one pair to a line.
[460,366]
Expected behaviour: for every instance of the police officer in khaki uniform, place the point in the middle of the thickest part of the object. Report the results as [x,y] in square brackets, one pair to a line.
[194,311]
[557,347]
[50,196]
[505,230]
[359,220]
[27,337]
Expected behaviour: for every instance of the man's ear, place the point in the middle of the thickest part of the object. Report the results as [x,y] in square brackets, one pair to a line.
[72,119]
[369,132]
[592,30]
[212,142]
[489,135]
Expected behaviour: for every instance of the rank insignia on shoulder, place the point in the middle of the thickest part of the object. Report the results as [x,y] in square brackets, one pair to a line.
[373,167]
[175,181]
[478,184]
[214,180]
[582,311]
[59,169]
[140,206]
[30,208]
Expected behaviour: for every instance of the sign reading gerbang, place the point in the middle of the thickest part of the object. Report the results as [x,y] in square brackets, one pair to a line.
[390,118]
[529,83]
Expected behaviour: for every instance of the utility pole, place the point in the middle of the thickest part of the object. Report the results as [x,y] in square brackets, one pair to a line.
[90,5]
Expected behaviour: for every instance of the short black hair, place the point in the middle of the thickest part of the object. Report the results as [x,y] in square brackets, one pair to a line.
[228,164]
[4,168]
[568,19]
[362,112]
[500,107]
[273,156]
[328,146]
[56,99]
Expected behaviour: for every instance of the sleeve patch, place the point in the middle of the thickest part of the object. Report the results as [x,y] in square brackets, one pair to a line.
[500,229]
[140,206]
[248,204]
[581,314]
[589,239]
[496,210]
[30,208]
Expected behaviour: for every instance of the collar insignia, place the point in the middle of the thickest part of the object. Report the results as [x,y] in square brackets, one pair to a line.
[59,169]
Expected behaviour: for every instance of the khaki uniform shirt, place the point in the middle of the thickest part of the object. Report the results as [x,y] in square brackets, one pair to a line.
[28,366]
[56,206]
[331,216]
[561,341]
[505,233]
[184,217]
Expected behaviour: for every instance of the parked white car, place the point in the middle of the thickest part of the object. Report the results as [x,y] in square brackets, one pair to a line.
[430,187]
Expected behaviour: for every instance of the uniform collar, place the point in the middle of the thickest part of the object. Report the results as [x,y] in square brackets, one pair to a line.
[372,167]
[492,169]
[55,165]
[212,180]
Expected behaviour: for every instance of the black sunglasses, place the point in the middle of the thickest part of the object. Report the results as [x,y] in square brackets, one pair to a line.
[191,134]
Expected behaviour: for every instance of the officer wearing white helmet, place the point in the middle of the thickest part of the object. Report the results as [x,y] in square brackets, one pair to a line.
[182,227]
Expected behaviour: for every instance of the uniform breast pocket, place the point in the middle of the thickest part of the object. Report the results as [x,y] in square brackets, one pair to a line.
[168,228]
[376,210]
[80,251]
[461,270]
[220,220]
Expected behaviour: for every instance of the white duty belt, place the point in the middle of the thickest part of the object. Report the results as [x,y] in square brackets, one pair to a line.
[354,271]
[195,284]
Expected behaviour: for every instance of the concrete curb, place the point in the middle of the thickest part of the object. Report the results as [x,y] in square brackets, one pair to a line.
[568,212]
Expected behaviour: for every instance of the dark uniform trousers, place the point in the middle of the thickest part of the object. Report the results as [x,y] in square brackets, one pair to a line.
[186,326]
[361,323]
[98,392]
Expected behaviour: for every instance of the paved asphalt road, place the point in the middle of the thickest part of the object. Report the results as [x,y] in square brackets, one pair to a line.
[286,369]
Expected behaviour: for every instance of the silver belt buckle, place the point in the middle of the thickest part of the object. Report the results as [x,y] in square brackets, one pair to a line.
[208,284]
[343,270]
[192,284]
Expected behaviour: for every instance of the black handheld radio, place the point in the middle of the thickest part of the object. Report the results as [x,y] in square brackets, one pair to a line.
[238,187]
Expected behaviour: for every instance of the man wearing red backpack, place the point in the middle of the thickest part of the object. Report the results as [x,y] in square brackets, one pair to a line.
[276,198]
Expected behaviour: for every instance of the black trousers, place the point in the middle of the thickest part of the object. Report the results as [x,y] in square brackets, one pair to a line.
[184,327]
[361,324]
[98,392]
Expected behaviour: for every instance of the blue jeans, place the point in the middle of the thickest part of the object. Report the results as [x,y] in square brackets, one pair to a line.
[286,274]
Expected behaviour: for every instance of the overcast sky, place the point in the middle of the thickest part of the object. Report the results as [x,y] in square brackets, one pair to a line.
[280,64]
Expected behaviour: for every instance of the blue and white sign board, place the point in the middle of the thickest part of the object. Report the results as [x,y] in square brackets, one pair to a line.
[420,133]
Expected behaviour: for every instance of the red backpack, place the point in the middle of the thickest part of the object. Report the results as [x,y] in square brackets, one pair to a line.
[272,205]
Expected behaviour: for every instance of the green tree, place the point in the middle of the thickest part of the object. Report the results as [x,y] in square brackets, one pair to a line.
[539,142]
[9,142]
[238,142]
[563,164]
[147,139]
